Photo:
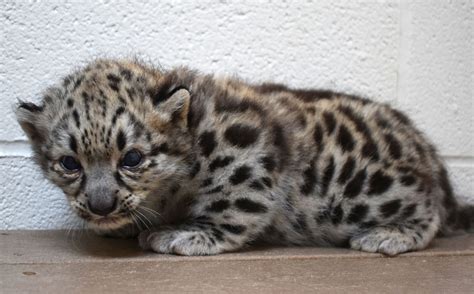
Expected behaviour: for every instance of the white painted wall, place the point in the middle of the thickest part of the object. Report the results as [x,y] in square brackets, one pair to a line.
[418,56]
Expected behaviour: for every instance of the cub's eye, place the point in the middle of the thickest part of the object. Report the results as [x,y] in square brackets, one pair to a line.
[131,159]
[69,163]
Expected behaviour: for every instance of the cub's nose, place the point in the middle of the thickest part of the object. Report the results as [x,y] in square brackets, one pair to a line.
[102,206]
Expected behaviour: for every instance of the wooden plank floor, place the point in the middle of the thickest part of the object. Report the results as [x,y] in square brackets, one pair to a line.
[52,262]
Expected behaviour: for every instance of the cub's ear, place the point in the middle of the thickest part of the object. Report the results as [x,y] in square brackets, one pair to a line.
[29,117]
[176,106]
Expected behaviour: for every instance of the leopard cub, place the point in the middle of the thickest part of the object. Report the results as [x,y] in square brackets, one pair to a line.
[199,165]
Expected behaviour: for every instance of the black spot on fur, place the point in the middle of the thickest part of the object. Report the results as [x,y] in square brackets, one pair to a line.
[120,181]
[270,88]
[330,122]
[267,181]
[427,203]
[401,117]
[114,82]
[394,147]
[127,74]
[195,169]
[202,218]
[390,208]
[227,104]
[408,211]
[270,230]
[70,103]
[337,215]
[220,162]
[206,182]
[256,185]
[250,206]
[300,224]
[345,139]
[357,213]
[379,183]
[233,229]
[73,143]
[241,174]
[215,190]
[308,95]
[196,113]
[218,234]
[354,187]
[369,150]
[120,98]
[241,135]
[75,115]
[369,224]
[78,82]
[309,176]
[311,110]
[302,120]
[327,176]
[347,171]
[318,137]
[138,127]
[131,92]
[383,123]
[279,140]
[162,148]
[404,169]
[268,162]
[407,180]
[67,81]
[305,95]
[219,206]
[118,113]
[121,140]
[207,142]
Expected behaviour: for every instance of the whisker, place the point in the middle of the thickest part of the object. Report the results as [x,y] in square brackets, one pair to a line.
[135,220]
[145,217]
[152,211]
[143,222]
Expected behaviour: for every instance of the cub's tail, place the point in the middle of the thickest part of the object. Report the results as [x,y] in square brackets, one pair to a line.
[462,219]
[458,218]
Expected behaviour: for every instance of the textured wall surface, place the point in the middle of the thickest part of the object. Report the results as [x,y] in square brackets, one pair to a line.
[417,56]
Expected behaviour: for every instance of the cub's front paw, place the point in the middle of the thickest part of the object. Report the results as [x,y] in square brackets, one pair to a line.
[181,242]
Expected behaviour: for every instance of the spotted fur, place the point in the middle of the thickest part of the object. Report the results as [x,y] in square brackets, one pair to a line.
[202,165]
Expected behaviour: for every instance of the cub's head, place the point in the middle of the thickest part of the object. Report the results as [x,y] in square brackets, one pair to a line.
[109,136]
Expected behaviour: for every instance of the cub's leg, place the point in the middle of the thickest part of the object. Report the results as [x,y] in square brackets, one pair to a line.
[395,239]
[222,221]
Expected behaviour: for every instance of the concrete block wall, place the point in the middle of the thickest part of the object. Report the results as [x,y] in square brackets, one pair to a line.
[415,55]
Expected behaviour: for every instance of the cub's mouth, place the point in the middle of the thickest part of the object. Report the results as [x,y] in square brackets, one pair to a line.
[110,222]
[141,217]
[106,222]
